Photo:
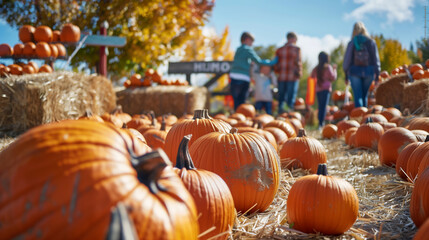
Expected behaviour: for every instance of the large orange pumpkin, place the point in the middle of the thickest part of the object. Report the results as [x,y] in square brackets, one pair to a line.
[200,125]
[43,34]
[18,49]
[70,33]
[29,49]
[214,201]
[415,159]
[302,152]
[392,142]
[419,204]
[5,50]
[322,203]
[245,161]
[423,231]
[43,50]
[76,171]
[26,33]
[247,110]
[403,157]
[368,135]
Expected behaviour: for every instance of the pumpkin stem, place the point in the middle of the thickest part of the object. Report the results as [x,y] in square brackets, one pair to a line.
[369,120]
[152,116]
[88,113]
[322,169]
[233,130]
[149,168]
[259,125]
[121,226]
[163,123]
[117,110]
[206,114]
[184,159]
[199,114]
[302,133]
[427,138]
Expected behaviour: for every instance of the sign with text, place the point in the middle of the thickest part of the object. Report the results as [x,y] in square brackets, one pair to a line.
[218,67]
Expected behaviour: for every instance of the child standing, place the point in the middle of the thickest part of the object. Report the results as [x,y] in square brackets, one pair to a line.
[263,94]
[325,74]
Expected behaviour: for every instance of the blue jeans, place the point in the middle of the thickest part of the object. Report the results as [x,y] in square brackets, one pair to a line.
[262,104]
[239,90]
[322,101]
[288,90]
[360,87]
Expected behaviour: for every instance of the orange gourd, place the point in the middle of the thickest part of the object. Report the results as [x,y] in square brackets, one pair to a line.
[43,34]
[391,144]
[26,33]
[247,110]
[284,125]
[70,33]
[368,135]
[43,50]
[419,204]
[322,203]
[5,50]
[329,131]
[403,157]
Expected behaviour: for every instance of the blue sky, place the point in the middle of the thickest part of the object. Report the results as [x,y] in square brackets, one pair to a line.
[320,24]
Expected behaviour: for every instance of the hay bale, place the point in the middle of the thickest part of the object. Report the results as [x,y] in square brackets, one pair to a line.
[415,96]
[389,93]
[163,99]
[30,100]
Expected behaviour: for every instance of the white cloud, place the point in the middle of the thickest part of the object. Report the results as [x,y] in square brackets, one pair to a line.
[2,22]
[393,10]
[312,46]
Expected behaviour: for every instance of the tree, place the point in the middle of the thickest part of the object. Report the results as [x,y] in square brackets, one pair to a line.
[391,52]
[423,46]
[267,52]
[337,57]
[153,28]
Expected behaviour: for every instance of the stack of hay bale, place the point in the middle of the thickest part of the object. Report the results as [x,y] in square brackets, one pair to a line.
[30,100]
[390,93]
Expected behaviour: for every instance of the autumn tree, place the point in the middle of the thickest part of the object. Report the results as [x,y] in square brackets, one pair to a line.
[423,46]
[391,53]
[266,52]
[153,28]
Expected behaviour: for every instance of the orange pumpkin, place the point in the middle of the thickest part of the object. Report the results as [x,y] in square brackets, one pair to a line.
[279,135]
[415,67]
[18,49]
[43,34]
[200,125]
[368,135]
[336,95]
[89,167]
[238,116]
[136,80]
[4,71]
[390,113]
[70,33]
[284,125]
[56,36]
[263,118]
[43,50]
[155,138]
[419,123]
[34,65]
[322,203]
[419,204]
[88,115]
[347,136]
[61,50]
[384,74]
[417,75]
[423,231]
[45,69]
[420,135]
[5,50]
[329,131]
[344,125]
[403,157]
[214,201]
[375,117]
[26,33]
[29,49]
[392,142]
[54,50]
[247,110]
[302,152]
[28,69]
[358,113]
[245,161]
[15,69]
[415,159]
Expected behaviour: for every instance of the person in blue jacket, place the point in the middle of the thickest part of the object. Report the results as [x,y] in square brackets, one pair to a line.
[240,70]
[361,64]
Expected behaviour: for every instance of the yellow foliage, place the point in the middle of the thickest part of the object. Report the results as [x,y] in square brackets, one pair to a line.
[391,52]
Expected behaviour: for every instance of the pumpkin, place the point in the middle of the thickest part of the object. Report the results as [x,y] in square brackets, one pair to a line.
[155,138]
[245,123]
[111,118]
[238,116]
[415,159]
[376,109]
[247,110]
[415,67]
[264,118]
[403,157]
[322,203]
[423,231]
[375,117]
[87,169]
[420,135]
[45,68]
[29,49]
[296,123]
[344,125]
[147,82]
[169,119]
[348,106]
[43,50]
[418,74]
[352,139]
[347,136]
[387,125]
[265,134]
[56,36]
[299,103]
[279,135]
[4,71]
[26,33]
[124,117]
[284,125]
[392,142]
[61,50]
[88,115]
[5,50]
[70,33]
[214,201]
[245,161]
[329,131]
[336,95]
[358,113]
[43,34]
[221,116]
[200,125]
[28,69]
[342,114]
[419,123]
[368,135]
[15,69]
[54,50]
[18,49]
[136,80]
[419,204]
[302,152]
[384,74]
[142,121]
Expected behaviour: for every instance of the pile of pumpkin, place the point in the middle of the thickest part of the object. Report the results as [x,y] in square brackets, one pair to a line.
[40,42]
[121,166]
[401,141]
[151,76]
[416,70]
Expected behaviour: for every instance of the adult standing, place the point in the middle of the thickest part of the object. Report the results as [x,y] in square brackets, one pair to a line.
[288,64]
[240,70]
[361,64]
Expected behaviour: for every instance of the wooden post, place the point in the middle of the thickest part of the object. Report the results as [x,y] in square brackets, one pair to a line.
[103,55]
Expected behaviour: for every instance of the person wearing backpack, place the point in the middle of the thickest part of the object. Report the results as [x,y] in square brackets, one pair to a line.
[361,64]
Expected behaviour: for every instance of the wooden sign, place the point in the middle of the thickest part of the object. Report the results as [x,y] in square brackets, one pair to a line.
[217,67]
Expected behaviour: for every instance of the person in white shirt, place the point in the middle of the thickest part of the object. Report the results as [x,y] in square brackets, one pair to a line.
[264,81]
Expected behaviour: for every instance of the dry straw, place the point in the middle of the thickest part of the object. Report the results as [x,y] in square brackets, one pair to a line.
[30,100]
[390,93]
[177,100]
[415,96]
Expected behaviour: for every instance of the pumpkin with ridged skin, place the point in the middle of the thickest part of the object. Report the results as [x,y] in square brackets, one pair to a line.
[70,33]
[419,204]
[26,33]
[423,231]
[278,134]
[215,205]
[329,131]
[403,157]
[43,34]
[284,125]
[200,125]
[302,152]
[76,171]
[344,125]
[415,159]
[245,161]
[347,136]
[368,135]
[155,138]
[391,144]
[322,203]
[247,110]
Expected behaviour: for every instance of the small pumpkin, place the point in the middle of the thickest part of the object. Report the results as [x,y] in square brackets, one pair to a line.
[5,50]
[247,110]
[329,131]
[29,49]
[28,69]
[213,199]
[54,50]
[302,152]
[347,136]
[284,125]
[390,113]
[322,203]
[70,33]
[43,50]
[18,49]
[155,138]
[88,115]
[136,80]
[358,113]
[15,69]
[344,125]
[56,36]
[279,135]
[391,144]
[34,65]
[368,135]
[26,33]
[45,68]
[43,34]
[62,52]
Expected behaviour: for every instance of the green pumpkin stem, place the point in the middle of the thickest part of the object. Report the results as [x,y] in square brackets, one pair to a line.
[302,133]
[322,169]
[183,159]
[149,168]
